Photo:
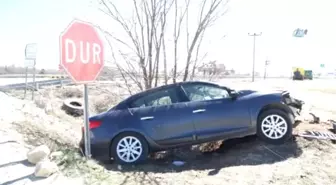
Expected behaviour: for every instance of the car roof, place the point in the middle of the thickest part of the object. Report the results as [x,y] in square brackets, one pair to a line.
[169,86]
[143,93]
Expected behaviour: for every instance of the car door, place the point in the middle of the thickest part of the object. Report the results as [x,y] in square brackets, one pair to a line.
[163,117]
[215,113]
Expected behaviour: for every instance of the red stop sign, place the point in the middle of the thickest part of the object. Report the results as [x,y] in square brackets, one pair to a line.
[82,52]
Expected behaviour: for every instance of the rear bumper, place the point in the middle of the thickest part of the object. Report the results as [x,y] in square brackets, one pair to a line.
[99,150]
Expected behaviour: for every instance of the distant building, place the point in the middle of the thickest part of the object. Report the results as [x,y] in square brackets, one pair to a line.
[212,68]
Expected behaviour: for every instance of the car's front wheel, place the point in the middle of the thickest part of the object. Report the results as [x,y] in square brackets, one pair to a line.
[129,148]
[274,126]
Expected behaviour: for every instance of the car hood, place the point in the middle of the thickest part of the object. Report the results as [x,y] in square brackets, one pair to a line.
[283,95]
[254,93]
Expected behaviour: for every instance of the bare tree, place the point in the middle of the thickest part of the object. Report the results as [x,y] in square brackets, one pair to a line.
[165,70]
[146,34]
[208,70]
[196,61]
[160,41]
[206,19]
[177,32]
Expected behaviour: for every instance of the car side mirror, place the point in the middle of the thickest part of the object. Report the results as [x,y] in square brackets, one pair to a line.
[234,94]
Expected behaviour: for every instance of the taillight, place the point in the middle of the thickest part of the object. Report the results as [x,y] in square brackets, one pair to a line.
[93,124]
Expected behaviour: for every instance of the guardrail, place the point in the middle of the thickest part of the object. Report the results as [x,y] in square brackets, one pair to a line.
[67,81]
[37,85]
[31,76]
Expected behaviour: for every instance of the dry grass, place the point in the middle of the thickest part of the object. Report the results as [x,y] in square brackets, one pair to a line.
[331,90]
[104,102]
[41,102]
[72,92]
[71,162]
[51,99]
[241,161]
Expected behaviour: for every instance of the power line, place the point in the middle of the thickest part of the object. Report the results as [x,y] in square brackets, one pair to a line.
[254,41]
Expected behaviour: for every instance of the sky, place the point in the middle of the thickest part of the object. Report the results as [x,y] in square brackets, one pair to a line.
[42,21]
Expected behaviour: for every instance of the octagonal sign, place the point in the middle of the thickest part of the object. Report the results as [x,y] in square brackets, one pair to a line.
[81,52]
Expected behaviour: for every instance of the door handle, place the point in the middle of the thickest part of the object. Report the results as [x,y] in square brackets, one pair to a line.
[147,118]
[198,110]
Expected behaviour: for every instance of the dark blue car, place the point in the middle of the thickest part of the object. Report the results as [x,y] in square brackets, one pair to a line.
[188,113]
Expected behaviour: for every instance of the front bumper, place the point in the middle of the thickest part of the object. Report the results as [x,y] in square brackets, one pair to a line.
[294,104]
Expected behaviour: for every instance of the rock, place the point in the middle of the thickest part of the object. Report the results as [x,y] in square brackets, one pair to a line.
[45,168]
[37,154]
[178,163]
[119,167]
[48,108]
[56,154]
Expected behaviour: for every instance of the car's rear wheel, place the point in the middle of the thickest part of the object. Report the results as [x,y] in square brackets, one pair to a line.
[274,126]
[129,148]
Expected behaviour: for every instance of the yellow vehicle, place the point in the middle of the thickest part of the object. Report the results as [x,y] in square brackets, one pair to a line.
[301,74]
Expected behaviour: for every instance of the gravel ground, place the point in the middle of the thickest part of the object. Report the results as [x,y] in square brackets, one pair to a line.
[14,167]
[242,161]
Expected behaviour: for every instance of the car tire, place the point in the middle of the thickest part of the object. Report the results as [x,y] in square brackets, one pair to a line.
[275,126]
[135,154]
[73,107]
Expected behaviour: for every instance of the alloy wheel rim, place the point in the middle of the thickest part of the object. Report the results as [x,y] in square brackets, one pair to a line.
[274,126]
[129,149]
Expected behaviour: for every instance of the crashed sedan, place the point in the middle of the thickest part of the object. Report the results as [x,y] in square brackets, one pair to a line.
[188,113]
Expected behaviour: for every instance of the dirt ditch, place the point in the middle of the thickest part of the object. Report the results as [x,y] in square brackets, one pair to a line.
[238,161]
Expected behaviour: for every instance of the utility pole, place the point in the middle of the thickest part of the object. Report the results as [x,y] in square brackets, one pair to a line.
[266,64]
[254,41]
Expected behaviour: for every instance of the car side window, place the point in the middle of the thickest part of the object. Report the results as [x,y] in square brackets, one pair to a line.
[201,92]
[163,97]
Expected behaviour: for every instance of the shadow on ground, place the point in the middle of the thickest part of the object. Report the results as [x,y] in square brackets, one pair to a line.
[23,162]
[10,141]
[235,152]
[25,178]
[29,178]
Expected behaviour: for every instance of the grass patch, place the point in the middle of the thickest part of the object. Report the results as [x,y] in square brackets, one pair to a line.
[71,93]
[329,91]
[71,163]
[104,103]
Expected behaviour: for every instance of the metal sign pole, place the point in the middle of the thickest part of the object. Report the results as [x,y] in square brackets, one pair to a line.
[254,40]
[34,84]
[30,55]
[26,81]
[86,123]
[254,44]
[265,72]
[79,31]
